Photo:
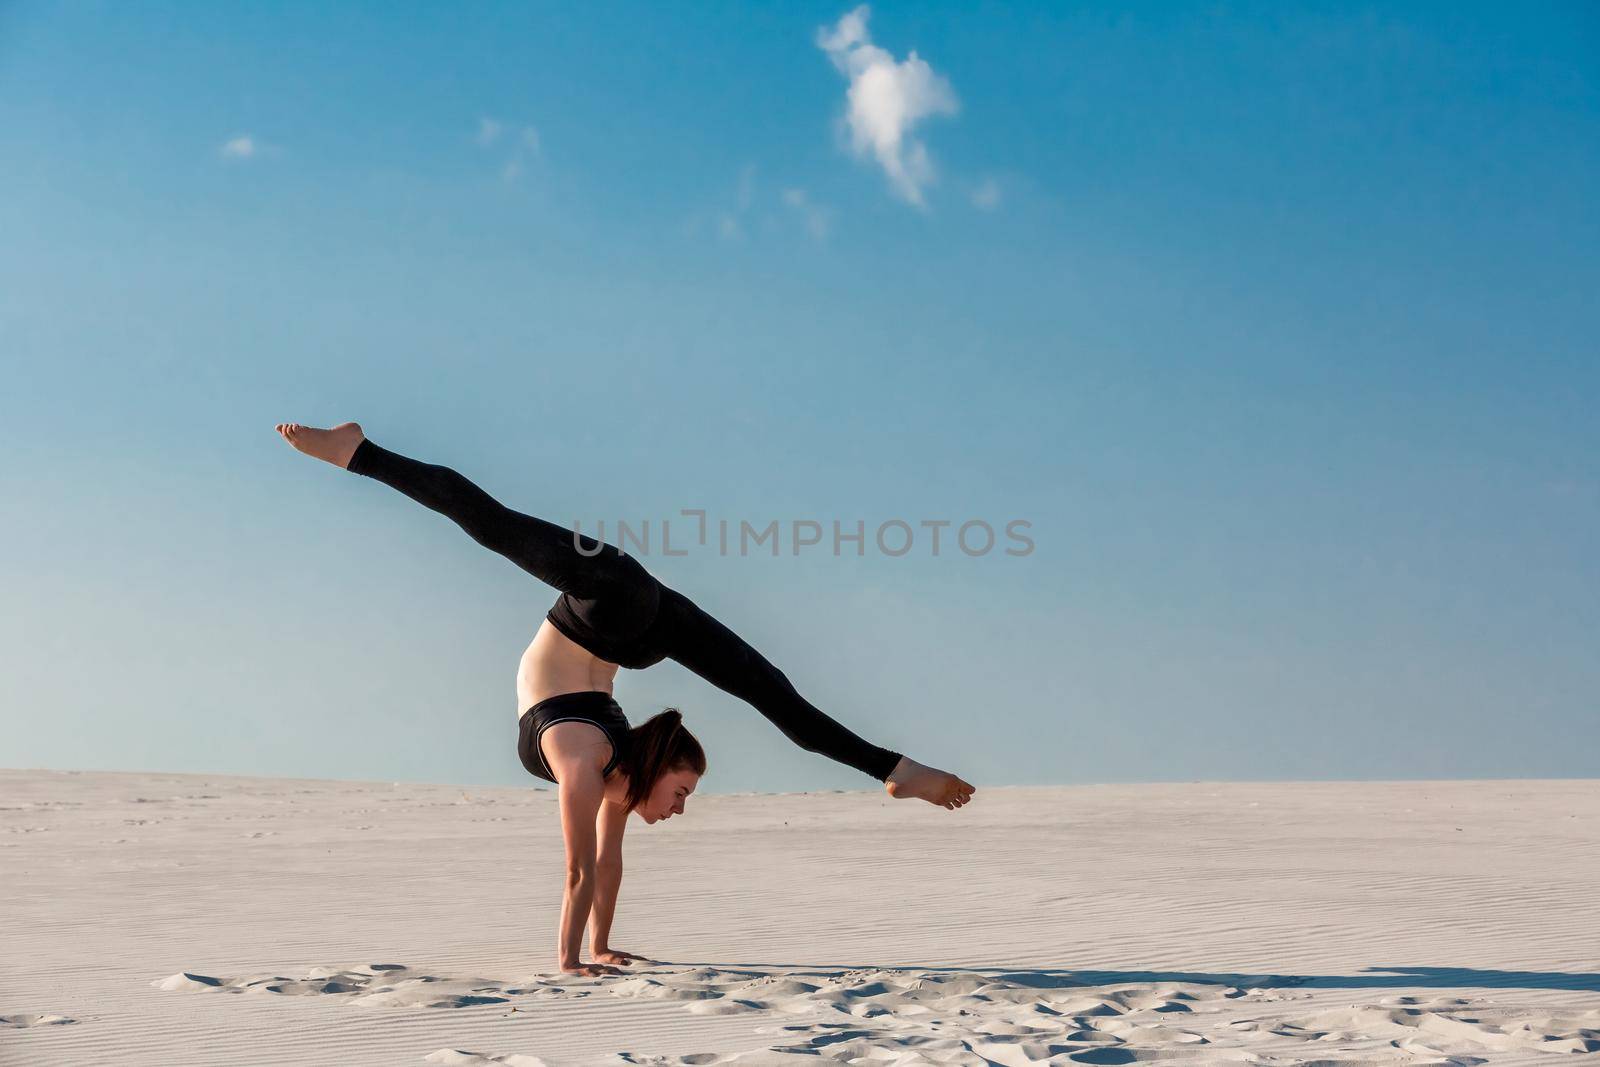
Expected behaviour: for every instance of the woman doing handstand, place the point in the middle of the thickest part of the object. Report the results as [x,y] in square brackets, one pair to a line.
[612,613]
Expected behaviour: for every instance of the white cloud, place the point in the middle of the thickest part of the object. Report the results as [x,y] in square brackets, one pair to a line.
[886,99]
[731,224]
[747,186]
[522,142]
[243,146]
[986,197]
[818,219]
[758,210]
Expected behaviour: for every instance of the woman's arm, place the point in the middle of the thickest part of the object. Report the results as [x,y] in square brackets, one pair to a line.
[612,822]
[608,880]
[580,793]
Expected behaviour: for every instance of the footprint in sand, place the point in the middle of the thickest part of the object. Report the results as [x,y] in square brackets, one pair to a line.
[874,1016]
[24,1021]
[454,1057]
[1023,1019]
[373,985]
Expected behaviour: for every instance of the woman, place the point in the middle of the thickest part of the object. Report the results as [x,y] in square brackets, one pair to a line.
[611,614]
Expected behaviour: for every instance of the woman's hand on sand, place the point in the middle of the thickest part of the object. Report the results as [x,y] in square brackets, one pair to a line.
[617,956]
[589,970]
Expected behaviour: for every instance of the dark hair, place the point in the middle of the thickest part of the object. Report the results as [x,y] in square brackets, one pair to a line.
[656,747]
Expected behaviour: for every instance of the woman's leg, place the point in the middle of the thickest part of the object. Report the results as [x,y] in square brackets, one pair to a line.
[722,657]
[600,572]
[611,578]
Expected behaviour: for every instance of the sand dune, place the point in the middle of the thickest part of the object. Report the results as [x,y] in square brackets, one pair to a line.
[171,919]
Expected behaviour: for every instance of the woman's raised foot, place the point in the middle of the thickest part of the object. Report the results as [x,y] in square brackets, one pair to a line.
[912,779]
[336,445]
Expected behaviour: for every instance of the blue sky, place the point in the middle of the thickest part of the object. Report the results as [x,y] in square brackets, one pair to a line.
[1275,322]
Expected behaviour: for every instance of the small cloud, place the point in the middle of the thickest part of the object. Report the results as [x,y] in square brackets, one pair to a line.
[243,146]
[986,197]
[730,224]
[1573,489]
[755,210]
[885,101]
[818,219]
[522,143]
[747,186]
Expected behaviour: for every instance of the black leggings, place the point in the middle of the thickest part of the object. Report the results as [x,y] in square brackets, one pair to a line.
[619,604]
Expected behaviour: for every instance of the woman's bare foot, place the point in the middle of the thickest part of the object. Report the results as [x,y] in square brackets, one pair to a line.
[912,779]
[336,445]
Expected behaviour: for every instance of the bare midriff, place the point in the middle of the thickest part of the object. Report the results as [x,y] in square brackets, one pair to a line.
[554,664]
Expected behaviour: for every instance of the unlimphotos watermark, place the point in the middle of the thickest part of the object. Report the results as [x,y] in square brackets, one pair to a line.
[891,537]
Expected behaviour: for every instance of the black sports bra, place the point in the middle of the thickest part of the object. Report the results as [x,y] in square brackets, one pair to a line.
[591,706]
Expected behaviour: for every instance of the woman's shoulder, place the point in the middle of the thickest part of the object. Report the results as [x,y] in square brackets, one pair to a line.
[576,742]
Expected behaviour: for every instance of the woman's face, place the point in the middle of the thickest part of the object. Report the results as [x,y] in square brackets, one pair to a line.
[668,796]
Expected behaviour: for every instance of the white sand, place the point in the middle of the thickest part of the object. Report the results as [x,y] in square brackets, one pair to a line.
[175,919]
